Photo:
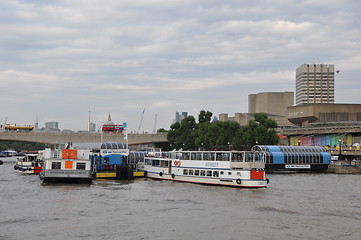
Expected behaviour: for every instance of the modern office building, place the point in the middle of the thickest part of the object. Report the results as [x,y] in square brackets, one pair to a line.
[179,117]
[315,83]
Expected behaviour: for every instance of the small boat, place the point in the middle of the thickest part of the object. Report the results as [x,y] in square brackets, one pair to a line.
[224,168]
[30,164]
[65,165]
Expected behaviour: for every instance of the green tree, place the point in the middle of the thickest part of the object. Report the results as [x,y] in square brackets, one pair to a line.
[182,135]
[204,116]
[261,130]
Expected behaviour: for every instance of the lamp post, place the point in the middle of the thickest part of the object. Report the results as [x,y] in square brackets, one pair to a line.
[339,150]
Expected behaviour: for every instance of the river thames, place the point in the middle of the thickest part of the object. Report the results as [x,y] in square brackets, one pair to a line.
[294,206]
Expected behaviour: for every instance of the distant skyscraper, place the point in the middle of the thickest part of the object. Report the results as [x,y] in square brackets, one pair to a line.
[179,117]
[315,83]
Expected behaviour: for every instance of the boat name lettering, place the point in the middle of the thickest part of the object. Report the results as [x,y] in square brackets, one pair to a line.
[211,164]
[116,151]
[298,166]
[68,172]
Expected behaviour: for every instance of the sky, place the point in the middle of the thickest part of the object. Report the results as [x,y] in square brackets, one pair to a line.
[61,59]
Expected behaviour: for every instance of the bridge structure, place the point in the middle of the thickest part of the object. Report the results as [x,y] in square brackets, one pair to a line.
[84,137]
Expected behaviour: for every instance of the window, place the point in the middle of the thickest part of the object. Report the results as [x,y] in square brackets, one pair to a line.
[196,172]
[56,165]
[203,172]
[80,166]
[185,171]
[209,173]
[221,172]
[215,174]
[190,172]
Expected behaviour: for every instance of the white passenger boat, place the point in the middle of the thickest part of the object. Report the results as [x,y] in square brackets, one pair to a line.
[29,164]
[226,168]
[65,165]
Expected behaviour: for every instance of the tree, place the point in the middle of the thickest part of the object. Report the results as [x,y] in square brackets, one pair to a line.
[261,130]
[182,135]
[204,116]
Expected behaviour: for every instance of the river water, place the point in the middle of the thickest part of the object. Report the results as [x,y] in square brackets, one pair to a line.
[294,206]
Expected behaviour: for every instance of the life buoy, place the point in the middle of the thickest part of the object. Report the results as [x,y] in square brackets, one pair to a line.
[238,181]
[160,174]
[173,176]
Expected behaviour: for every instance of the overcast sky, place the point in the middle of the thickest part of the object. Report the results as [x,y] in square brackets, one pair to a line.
[60,59]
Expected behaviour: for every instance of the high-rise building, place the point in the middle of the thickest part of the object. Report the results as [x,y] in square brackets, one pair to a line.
[179,117]
[315,83]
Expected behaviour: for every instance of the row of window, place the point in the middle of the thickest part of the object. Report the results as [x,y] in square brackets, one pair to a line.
[217,156]
[57,165]
[203,173]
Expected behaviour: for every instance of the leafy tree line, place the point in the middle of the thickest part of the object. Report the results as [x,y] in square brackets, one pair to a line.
[19,146]
[207,135]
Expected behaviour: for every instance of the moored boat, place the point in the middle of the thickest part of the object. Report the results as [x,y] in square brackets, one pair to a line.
[29,164]
[225,168]
[65,165]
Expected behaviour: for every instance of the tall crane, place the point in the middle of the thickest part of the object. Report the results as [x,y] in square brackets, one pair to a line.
[141,120]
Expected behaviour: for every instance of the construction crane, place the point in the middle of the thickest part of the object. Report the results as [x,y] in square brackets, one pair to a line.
[141,120]
[155,124]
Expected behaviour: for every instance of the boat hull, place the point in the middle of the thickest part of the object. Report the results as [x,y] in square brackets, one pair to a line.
[239,182]
[62,175]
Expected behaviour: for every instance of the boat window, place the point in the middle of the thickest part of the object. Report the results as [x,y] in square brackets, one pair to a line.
[80,166]
[229,173]
[225,157]
[221,172]
[185,171]
[211,156]
[237,157]
[215,174]
[190,172]
[155,162]
[219,156]
[164,163]
[199,156]
[203,172]
[238,173]
[196,172]
[147,161]
[106,160]
[209,173]
[193,156]
[185,156]
[56,165]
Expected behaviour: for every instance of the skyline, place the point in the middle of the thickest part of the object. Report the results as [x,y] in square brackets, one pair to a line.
[62,59]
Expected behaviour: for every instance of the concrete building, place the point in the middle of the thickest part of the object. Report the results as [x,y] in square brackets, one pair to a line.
[273,103]
[302,115]
[52,127]
[315,83]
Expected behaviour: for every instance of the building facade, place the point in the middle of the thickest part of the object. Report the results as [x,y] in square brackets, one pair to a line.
[180,116]
[315,83]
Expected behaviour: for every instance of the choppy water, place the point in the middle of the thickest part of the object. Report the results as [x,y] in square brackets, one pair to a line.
[294,206]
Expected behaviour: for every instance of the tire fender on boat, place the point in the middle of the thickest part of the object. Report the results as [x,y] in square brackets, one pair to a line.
[267,180]
[173,176]
[238,181]
[160,174]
